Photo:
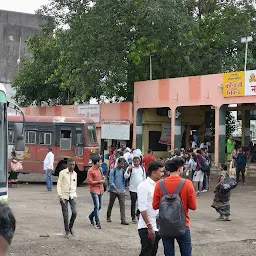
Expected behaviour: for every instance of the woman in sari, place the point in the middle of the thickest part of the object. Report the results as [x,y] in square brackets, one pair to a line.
[221,199]
[230,148]
[16,167]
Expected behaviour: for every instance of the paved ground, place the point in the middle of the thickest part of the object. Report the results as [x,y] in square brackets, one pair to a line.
[38,212]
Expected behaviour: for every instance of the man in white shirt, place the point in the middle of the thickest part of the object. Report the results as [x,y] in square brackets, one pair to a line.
[147,227]
[48,168]
[66,188]
[137,174]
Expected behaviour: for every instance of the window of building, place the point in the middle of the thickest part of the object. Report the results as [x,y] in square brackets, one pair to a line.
[154,137]
[30,137]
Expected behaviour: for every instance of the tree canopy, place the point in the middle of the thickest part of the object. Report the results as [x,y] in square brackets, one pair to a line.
[98,49]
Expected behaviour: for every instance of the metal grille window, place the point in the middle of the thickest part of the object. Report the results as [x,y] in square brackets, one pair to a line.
[45,138]
[30,137]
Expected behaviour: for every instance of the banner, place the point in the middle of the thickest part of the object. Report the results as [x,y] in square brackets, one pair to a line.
[89,111]
[234,84]
[166,134]
[250,83]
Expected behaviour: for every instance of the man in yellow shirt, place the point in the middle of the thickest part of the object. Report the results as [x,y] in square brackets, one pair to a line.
[66,188]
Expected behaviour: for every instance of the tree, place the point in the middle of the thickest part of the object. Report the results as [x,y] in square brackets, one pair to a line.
[100,48]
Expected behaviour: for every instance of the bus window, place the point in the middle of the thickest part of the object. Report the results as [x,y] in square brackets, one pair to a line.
[10,137]
[65,140]
[45,138]
[30,137]
[92,135]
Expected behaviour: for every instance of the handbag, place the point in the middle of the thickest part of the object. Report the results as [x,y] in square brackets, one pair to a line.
[232,170]
[228,184]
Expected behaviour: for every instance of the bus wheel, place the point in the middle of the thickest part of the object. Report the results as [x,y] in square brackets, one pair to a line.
[81,176]
[60,166]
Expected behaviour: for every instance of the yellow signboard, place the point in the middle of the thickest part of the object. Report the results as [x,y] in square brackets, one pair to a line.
[234,84]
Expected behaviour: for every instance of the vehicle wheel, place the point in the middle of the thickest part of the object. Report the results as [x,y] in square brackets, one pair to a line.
[81,176]
[61,166]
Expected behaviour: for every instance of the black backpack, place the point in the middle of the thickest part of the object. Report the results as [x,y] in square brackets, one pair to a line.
[172,217]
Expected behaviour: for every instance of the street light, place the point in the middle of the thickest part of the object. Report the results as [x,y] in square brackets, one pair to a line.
[246,40]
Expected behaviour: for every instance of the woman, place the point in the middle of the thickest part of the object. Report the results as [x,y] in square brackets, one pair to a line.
[230,148]
[112,160]
[16,167]
[192,166]
[221,200]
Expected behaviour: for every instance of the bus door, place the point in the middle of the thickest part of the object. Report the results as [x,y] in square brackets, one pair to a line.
[79,142]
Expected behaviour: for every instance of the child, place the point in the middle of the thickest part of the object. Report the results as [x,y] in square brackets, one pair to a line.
[221,200]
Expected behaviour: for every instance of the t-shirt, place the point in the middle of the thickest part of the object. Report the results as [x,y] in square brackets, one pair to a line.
[187,194]
[147,160]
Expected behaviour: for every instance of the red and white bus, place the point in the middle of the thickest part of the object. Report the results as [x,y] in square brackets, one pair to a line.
[67,136]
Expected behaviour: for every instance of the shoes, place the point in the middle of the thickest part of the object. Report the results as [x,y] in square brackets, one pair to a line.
[98,226]
[66,235]
[227,219]
[205,190]
[90,220]
[221,217]
[244,183]
[71,231]
[198,193]
[109,220]
[124,223]
[134,221]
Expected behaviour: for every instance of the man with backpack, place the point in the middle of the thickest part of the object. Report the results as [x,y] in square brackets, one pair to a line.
[174,197]
[137,174]
[117,190]
[147,227]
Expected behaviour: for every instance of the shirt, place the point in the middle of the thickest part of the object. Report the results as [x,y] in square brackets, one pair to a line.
[145,198]
[49,161]
[116,178]
[147,160]
[187,194]
[66,185]
[137,175]
[94,174]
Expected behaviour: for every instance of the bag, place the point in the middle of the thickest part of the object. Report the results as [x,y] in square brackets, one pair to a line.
[16,166]
[204,166]
[228,184]
[172,218]
[232,171]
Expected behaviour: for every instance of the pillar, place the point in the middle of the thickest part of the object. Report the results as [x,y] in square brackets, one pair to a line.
[139,128]
[220,134]
[246,128]
[207,121]
[176,129]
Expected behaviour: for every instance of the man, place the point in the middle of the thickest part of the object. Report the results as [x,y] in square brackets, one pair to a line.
[188,198]
[198,177]
[96,179]
[241,162]
[117,190]
[66,188]
[48,168]
[148,159]
[147,227]
[7,228]
[137,174]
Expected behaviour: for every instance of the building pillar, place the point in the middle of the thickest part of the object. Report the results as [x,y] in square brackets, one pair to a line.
[246,128]
[176,129]
[139,128]
[220,134]
[207,121]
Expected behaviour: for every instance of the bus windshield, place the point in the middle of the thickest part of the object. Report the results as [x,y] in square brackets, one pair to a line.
[92,135]
[3,146]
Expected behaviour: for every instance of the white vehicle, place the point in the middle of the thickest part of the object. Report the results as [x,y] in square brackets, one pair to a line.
[19,142]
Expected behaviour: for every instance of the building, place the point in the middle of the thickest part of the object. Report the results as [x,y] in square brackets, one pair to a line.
[15,29]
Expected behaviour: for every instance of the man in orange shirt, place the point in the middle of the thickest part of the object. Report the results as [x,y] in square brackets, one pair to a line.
[188,198]
[96,180]
[148,159]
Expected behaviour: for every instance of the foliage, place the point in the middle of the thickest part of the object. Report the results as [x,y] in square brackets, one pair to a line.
[100,48]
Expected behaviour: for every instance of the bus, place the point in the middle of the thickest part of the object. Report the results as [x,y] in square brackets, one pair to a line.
[18,141]
[68,137]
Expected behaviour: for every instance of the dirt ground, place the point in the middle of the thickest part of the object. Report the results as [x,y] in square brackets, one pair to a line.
[38,212]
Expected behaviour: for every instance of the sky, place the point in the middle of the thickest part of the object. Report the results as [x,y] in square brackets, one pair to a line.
[27,6]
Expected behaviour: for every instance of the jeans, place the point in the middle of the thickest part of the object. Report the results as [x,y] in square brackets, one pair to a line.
[97,199]
[134,198]
[184,244]
[242,170]
[121,199]
[48,177]
[64,207]
[205,181]
[148,247]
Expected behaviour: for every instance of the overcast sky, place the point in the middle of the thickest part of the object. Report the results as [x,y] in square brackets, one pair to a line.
[27,6]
